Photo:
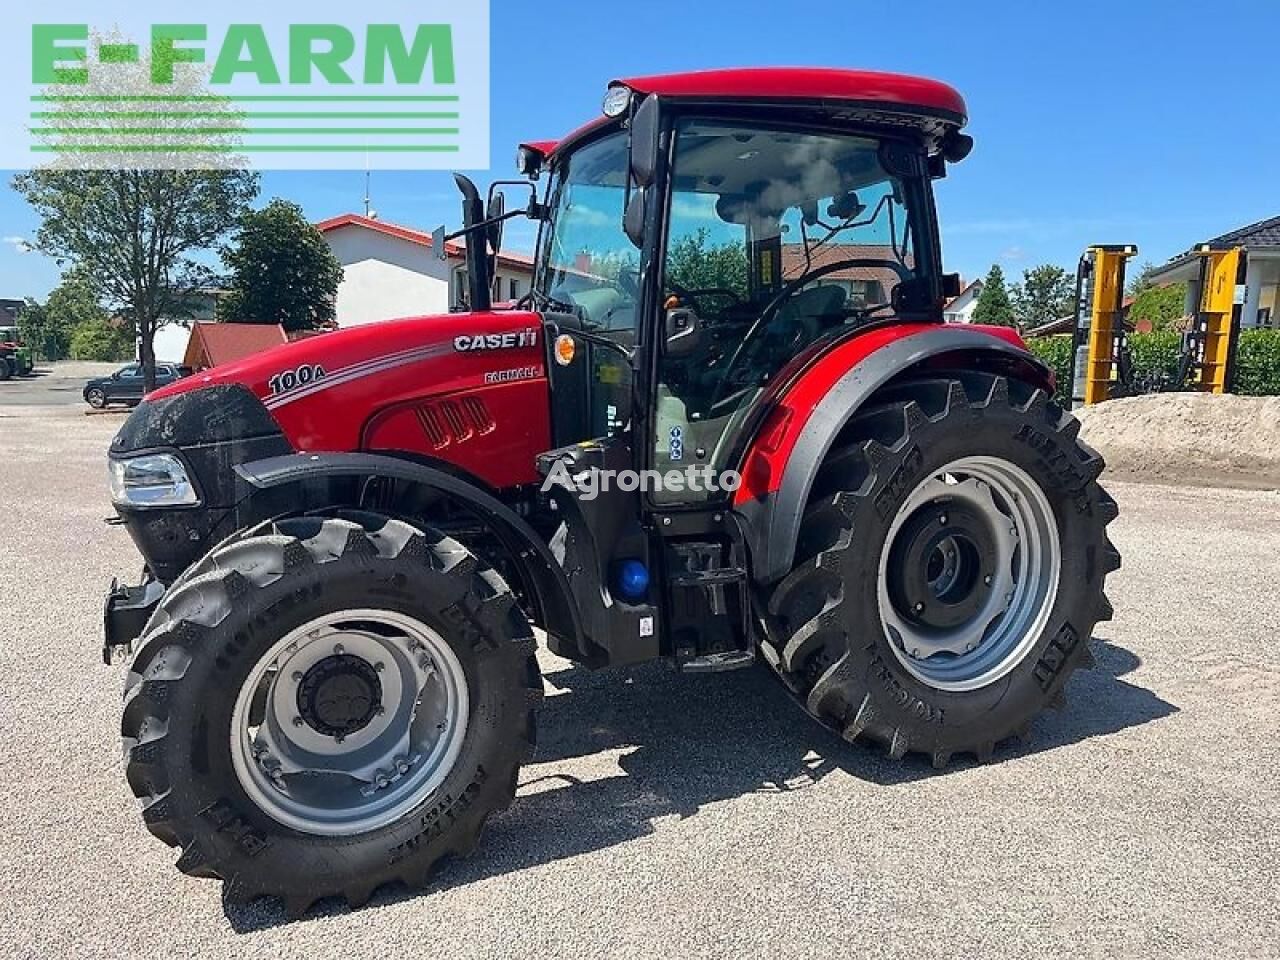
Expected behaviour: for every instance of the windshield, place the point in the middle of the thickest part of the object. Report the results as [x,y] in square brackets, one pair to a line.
[589,266]
[776,237]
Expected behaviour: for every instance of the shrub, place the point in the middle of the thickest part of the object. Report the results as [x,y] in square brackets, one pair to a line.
[1055,352]
[1258,363]
[97,339]
[1156,355]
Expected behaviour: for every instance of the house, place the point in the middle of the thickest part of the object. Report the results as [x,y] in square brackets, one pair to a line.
[959,309]
[390,271]
[174,333]
[1260,299]
[212,344]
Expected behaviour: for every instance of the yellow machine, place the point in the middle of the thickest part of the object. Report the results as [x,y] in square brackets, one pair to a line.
[1101,366]
[1099,333]
[1208,349]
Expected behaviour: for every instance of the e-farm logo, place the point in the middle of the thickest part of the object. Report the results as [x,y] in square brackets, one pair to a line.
[284,95]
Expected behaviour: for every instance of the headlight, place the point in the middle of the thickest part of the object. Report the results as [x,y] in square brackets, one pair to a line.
[151,480]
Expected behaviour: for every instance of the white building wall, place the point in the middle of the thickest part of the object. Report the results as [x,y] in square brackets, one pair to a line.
[385,277]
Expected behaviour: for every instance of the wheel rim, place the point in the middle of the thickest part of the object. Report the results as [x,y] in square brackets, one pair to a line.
[349,722]
[969,573]
[95,398]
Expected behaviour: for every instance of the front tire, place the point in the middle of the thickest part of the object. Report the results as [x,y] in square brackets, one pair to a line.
[96,398]
[949,570]
[329,706]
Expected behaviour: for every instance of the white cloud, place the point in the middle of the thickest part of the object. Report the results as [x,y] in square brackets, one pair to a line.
[19,244]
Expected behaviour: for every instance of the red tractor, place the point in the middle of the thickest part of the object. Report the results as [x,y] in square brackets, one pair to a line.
[726,427]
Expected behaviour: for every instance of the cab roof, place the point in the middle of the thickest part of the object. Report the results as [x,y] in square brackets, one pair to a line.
[827,87]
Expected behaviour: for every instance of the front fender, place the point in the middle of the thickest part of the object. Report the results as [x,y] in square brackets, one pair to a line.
[782,459]
[545,579]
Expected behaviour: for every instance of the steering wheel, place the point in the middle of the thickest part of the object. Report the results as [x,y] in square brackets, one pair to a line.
[750,342]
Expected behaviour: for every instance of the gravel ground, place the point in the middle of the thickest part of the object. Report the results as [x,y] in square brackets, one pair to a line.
[706,816]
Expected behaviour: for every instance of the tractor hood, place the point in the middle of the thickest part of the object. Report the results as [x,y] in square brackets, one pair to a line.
[469,388]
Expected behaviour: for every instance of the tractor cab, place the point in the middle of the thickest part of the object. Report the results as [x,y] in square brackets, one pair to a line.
[700,243]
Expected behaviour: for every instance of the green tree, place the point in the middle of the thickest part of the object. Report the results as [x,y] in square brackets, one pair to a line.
[1046,293]
[138,220]
[1162,307]
[136,234]
[100,339]
[1141,280]
[994,306]
[695,264]
[282,270]
[48,327]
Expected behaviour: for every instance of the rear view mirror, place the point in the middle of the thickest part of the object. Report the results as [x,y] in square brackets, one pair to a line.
[645,134]
[497,207]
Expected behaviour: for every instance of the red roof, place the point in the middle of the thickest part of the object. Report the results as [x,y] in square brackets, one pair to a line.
[793,262]
[806,83]
[212,344]
[513,261]
[865,87]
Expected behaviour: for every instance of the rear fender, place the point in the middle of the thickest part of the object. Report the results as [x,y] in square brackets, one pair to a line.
[783,457]
[544,581]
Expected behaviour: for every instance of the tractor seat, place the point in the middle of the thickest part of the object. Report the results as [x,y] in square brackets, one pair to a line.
[815,308]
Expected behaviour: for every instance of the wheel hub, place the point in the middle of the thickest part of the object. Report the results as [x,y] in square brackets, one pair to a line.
[942,565]
[349,721]
[968,573]
[339,695]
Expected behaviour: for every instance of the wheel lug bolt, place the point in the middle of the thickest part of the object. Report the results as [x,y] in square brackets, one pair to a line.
[402,767]
[297,721]
[968,648]
[379,666]
[339,649]
[987,580]
[382,781]
[297,676]
[338,737]
[943,519]
[915,652]
[379,711]
[919,607]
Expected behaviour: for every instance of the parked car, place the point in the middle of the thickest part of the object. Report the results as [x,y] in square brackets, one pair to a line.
[125,385]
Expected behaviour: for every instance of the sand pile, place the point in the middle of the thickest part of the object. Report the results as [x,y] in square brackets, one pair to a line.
[1188,438]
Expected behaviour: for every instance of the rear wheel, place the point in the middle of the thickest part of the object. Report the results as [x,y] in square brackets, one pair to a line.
[329,706]
[950,568]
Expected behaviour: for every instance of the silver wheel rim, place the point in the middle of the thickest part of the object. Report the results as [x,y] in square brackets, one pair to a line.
[1011,589]
[366,771]
[96,398]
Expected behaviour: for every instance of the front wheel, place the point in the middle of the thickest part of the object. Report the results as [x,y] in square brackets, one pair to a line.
[328,706]
[95,398]
[950,568]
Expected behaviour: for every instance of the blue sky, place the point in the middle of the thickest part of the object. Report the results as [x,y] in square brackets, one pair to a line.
[1141,122]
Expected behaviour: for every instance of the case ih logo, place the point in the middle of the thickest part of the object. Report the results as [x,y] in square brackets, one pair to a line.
[527,337]
[325,93]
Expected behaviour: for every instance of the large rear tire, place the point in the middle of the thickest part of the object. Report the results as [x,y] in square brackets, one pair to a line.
[328,706]
[949,570]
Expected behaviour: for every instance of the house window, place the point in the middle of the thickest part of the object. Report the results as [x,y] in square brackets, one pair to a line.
[514,288]
[459,290]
